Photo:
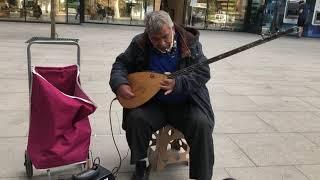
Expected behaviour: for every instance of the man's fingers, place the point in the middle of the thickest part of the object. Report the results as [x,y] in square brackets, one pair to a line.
[164,83]
[130,93]
[125,92]
[165,87]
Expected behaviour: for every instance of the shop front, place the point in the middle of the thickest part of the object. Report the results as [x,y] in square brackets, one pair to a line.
[39,10]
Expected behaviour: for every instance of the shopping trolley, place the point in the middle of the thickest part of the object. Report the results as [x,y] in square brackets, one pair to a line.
[59,128]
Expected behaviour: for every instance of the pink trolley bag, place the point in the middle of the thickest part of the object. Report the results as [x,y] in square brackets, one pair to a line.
[59,129]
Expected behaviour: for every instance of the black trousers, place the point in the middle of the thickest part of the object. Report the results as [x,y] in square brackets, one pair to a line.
[141,122]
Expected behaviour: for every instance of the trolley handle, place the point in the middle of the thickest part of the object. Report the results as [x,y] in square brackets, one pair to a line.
[45,40]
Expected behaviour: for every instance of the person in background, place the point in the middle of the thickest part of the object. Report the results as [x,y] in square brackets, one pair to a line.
[302,16]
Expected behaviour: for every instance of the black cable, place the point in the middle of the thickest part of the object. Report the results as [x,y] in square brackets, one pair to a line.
[116,169]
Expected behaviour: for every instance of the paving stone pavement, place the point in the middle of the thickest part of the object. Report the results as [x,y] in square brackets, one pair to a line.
[266,101]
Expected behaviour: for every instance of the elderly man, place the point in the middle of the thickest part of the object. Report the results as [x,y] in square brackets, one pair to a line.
[182,102]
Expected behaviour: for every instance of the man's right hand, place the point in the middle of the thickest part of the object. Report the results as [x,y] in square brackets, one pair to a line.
[125,91]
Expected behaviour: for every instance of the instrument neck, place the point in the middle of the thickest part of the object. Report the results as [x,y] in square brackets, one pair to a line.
[232,52]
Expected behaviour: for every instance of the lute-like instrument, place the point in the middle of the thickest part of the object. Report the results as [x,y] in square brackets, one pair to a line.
[146,84]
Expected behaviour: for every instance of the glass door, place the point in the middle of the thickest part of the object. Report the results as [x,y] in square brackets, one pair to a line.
[73,11]
[139,9]
[196,13]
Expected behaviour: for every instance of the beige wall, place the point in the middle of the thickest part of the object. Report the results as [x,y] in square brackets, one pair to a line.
[157,4]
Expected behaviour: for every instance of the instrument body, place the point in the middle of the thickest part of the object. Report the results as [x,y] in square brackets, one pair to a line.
[146,84]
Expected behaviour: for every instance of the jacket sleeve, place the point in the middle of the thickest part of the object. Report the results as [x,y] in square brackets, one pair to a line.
[121,67]
[191,82]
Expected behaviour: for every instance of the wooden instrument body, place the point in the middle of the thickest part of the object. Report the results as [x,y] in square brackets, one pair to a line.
[144,85]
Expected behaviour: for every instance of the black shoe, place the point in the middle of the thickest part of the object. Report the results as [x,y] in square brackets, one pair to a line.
[229,179]
[142,171]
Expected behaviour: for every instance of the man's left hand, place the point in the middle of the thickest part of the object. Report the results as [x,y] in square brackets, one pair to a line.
[167,85]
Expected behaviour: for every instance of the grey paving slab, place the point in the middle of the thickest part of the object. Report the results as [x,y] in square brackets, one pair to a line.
[282,103]
[94,76]
[103,101]
[291,121]
[120,117]
[304,76]
[278,149]
[13,74]
[12,156]
[267,173]
[234,103]
[98,87]
[13,66]
[218,174]
[310,171]
[14,123]
[313,137]
[216,89]
[228,154]
[263,75]
[240,122]
[14,86]
[269,90]
[226,77]
[317,113]
[14,101]
[100,123]
[103,147]
[315,101]
[315,86]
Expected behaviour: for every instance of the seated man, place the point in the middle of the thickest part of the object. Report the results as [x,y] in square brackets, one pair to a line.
[183,102]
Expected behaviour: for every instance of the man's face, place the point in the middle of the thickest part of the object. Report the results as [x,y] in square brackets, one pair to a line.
[163,39]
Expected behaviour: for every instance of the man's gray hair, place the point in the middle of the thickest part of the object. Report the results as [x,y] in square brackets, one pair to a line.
[155,20]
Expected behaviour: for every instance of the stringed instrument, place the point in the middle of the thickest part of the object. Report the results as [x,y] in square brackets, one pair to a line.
[146,84]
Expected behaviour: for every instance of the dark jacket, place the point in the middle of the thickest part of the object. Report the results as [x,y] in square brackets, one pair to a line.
[135,59]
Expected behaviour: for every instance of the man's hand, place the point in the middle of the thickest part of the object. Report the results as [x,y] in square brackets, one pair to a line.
[125,91]
[167,85]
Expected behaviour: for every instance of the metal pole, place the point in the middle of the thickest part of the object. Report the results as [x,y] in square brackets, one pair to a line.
[53,19]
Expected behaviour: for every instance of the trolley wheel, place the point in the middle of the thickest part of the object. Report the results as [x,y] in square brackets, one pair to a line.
[28,165]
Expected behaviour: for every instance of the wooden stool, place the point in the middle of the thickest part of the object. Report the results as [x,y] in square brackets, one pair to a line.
[168,146]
